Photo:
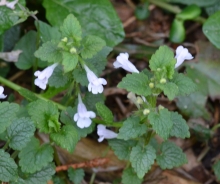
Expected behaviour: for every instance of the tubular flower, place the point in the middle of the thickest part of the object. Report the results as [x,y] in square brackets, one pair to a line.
[43,76]
[95,83]
[82,117]
[123,62]
[181,55]
[12,4]
[2,96]
[104,133]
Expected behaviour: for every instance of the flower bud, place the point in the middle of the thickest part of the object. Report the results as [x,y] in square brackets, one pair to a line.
[64,39]
[163,81]
[158,69]
[146,111]
[73,50]
[160,107]
[151,85]
[139,100]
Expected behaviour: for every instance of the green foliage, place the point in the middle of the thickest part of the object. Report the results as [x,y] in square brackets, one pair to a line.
[132,129]
[211,29]
[130,177]
[104,112]
[213,9]
[200,3]
[66,138]
[180,128]
[142,158]
[45,115]
[104,21]
[136,83]
[35,156]
[79,76]
[200,132]
[142,11]
[90,100]
[7,114]
[161,122]
[171,156]
[69,61]
[177,31]
[122,148]
[20,132]
[8,167]
[216,168]
[170,89]
[189,13]
[76,175]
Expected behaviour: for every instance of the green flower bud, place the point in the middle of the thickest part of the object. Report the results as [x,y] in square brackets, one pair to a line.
[163,81]
[139,100]
[151,85]
[64,39]
[146,111]
[73,50]
[160,107]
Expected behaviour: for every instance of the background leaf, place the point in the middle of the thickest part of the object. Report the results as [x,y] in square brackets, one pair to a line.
[130,177]
[197,2]
[76,175]
[104,112]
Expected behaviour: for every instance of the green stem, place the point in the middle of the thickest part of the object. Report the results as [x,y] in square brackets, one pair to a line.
[149,135]
[92,178]
[173,9]
[15,154]
[215,127]
[56,157]
[6,145]
[112,124]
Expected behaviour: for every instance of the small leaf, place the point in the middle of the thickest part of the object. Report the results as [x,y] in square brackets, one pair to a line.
[131,129]
[189,13]
[58,78]
[7,114]
[104,112]
[45,115]
[49,52]
[66,138]
[201,133]
[76,175]
[71,28]
[90,100]
[142,158]
[161,122]
[171,156]
[170,89]
[91,46]
[216,168]
[136,83]
[79,76]
[130,177]
[35,156]
[8,167]
[69,61]
[180,128]
[122,148]
[20,132]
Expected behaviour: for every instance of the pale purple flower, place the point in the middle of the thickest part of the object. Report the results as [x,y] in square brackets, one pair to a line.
[104,133]
[2,96]
[83,117]
[43,76]
[181,55]
[12,4]
[95,83]
[123,62]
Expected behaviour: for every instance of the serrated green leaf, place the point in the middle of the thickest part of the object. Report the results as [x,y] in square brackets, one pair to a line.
[66,138]
[49,52]
[180,127]
[211,29]
[35,156]
[122,148]
[8,167]
[47,33]
[136,83]
[169,89]
[171,156]
[79,76]
[201,133]
[142,158]
[197,2]
[27,94]
[104,112]
[104,21]
[163,59]
[67,118]
[28,46]
[7,114]
[58,180]
[71,28]
[90,100]
[20,132]
[216,168]
[161,122]
[69,61]
[42,176]
[76,175]
[130,177]
[184,83]
[58,78]
[91,46]
[45,115]
[131,129]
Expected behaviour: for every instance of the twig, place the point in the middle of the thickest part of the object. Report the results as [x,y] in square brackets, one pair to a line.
[92,163]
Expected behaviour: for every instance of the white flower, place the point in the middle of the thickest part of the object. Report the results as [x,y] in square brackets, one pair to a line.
[95,83]
[12,4]
[181,55]
[82,117]
[104,133]
[10,56]
[123,62]
[43,76]
[2,96]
